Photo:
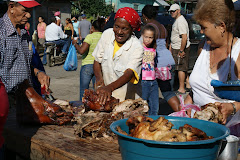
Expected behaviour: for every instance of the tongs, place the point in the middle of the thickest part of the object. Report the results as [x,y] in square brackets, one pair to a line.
[47,94]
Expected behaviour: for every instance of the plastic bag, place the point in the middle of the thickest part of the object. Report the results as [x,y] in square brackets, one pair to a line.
[234,124]
[185,107]
[163,73]
[71,62]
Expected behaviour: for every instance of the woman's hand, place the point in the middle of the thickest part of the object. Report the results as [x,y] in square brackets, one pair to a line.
[44,80]
[226,109]
[74,41]
[104,94]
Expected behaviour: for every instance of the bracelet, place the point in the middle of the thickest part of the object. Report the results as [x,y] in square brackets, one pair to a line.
[234,109]
[38,72]
[74,44]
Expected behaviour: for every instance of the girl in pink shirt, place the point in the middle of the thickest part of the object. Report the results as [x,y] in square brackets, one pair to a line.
[149,83]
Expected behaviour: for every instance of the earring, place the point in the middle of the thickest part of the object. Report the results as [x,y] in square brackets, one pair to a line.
[222,34]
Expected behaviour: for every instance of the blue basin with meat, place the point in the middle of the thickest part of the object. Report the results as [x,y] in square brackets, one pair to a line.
[140,149]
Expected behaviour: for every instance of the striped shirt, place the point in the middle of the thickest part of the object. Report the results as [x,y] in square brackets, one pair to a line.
[92,40]
[15,56]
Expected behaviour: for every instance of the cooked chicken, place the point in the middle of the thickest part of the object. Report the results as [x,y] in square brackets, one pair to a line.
[134,121]
[209,112]
[194,134]
[160,124]
[161,130]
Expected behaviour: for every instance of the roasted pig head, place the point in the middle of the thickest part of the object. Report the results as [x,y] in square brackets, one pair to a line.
[90,101]
[32,108]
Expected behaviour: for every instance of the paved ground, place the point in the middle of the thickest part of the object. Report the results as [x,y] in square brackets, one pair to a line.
[64,84]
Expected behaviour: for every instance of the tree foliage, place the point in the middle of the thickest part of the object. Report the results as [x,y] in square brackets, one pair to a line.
[91,8]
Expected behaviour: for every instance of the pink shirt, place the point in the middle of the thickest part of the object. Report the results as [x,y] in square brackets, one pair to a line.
[148,69]
[41,31]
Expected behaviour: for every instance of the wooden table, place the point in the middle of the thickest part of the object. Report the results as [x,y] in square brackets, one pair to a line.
[54,142]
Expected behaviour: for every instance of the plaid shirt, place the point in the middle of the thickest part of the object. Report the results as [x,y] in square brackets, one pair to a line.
[15,56]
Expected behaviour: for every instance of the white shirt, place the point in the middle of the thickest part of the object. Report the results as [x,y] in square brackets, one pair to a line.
[201,76]
[129,56]
[54,32]
[179,27]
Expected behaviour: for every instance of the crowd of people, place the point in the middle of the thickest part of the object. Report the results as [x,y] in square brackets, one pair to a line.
[118,63]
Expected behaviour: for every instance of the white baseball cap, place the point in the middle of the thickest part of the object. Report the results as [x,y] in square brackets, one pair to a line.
[27,3]
[174,7]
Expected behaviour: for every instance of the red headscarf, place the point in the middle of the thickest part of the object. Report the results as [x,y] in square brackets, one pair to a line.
[130,15]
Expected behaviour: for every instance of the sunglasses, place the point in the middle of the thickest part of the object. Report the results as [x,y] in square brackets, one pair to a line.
[172,11]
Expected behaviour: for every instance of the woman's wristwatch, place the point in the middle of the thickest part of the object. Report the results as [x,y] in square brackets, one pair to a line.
[234,109]
[38,72]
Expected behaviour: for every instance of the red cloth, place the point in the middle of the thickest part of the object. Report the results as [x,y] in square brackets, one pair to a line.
[130,15]
[4,106]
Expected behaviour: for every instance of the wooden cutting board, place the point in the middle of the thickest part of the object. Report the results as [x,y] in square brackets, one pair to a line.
[53,142]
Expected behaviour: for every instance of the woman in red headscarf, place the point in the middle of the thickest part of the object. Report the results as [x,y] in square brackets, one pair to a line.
[118,58]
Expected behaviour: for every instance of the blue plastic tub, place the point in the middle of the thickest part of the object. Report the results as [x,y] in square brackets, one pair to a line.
[139,149]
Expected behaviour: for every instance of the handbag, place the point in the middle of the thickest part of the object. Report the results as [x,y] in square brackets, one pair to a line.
[163,73]
[71,62]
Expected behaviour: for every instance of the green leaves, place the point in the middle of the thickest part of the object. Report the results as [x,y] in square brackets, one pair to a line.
[93,8]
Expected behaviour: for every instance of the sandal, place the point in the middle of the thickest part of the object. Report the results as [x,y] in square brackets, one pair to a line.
[177,92]
[188,89]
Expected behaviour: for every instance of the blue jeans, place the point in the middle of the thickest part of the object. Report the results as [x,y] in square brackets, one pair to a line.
[151,95]
[62,43]
[86,75]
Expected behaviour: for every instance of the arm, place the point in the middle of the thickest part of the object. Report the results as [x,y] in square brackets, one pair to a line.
[227,108]
[58,22]
[84,47]
[71,26]
[183,45]
[43,78]
[62,35]
[97,69]
[170,48]
[79,32]
[44,28]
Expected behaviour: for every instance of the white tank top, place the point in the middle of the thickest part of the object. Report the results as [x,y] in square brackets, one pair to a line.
[201,76]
